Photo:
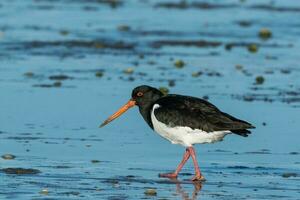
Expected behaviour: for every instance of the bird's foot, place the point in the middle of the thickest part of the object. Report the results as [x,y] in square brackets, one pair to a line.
[198,177]
[168,175]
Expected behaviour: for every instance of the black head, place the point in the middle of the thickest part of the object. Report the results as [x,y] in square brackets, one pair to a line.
[144,95]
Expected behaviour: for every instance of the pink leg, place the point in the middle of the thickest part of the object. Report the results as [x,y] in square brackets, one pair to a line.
[186,156]
[198,176]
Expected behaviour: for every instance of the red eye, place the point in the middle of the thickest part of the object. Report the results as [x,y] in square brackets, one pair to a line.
[139,94]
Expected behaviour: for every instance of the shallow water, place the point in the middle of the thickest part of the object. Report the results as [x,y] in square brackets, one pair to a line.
[51,124]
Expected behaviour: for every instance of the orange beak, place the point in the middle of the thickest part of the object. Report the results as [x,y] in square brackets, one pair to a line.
[123,109]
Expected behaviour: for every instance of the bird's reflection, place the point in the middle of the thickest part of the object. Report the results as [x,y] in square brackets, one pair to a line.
[180,191]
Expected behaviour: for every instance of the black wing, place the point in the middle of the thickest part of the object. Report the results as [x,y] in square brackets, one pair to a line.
[177,110]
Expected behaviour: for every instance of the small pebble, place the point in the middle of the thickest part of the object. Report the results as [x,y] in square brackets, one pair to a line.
[269,71]
[124,28]
[8,157]
[245,23]
[99,45]
[179,64]
[285,71]
[171,83]
[265,33]
[99,74]
[151,62]
[197,74]
[228,47]
[135,63]
[29,74]
[150,192]
[239,67]
[141,56]
[131,78]
[253,48]
[64,32]
[57,84]
[44,192]
[218,74]
[129,70]
[259,80]
[248,98]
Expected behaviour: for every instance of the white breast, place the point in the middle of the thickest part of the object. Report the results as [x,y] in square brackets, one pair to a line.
[185,135]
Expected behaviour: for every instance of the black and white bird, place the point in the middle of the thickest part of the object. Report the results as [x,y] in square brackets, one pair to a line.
[183,120]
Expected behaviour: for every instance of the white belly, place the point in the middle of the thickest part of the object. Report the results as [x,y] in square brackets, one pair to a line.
[185,135]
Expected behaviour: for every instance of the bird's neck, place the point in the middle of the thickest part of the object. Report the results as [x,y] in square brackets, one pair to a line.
[146,108]
[145,111]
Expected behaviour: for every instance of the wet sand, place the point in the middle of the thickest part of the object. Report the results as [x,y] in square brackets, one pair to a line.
[66,65]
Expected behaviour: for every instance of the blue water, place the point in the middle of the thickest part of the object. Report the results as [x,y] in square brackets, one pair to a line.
[55,129]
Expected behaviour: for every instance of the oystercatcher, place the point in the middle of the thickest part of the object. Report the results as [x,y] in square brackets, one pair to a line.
[183,120]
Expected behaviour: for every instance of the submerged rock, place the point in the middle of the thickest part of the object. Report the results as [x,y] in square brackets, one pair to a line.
[99,74]
[57,84]
[29,74]
[265,33]
[253,48]
[197,74]
[248,98]
[60,77]
[150,192]
[129,70]
[213,73]
[289,174]
[92,44]
[244,23]
[44,192]
[285,71]
[228,47]
[259,80]
[71,193]
[8,157]
[124,28]
[239,67]
[20,171]
[171,83]
[183,4]
[64,32]
[179,64]
[186,43]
